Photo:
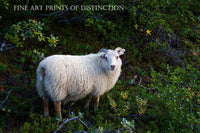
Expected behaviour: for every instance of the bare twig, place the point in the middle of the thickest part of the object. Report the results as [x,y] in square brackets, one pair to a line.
[65,123]
[2,50]
[140,81]
[74,118]
[27,2]
[83,123]
[1,105]
[5,47]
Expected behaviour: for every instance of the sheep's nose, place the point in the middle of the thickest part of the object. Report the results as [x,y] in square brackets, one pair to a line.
[112,67]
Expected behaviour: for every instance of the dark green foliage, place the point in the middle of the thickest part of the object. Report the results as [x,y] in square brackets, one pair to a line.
[158,90]
[39,124]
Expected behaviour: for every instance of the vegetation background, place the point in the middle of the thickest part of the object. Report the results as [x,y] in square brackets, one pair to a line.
[158,91]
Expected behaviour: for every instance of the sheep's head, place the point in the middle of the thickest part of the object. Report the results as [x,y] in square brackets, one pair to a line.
[111,58]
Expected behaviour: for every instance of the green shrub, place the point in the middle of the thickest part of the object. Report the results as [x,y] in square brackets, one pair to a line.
[178,92]
[39,124]
[21,31]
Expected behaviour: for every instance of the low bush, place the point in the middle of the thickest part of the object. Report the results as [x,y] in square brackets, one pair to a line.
[158,90]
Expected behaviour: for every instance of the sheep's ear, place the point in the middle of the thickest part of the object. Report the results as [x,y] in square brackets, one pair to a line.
[120,50]
[103,50]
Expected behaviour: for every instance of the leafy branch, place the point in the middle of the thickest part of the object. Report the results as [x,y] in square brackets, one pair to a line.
[1,105]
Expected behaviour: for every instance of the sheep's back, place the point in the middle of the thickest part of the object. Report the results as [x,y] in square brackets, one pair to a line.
[68,77]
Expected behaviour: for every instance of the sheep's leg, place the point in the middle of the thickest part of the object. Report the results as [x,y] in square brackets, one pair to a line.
[88,102]
[46,106]
[96,103]
[57,106]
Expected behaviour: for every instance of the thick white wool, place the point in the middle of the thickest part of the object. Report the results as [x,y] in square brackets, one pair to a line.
[69,78]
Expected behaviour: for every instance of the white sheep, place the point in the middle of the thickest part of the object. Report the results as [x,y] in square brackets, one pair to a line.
[64,78]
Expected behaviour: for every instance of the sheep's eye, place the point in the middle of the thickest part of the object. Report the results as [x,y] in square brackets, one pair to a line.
[105,58]
[117,57]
